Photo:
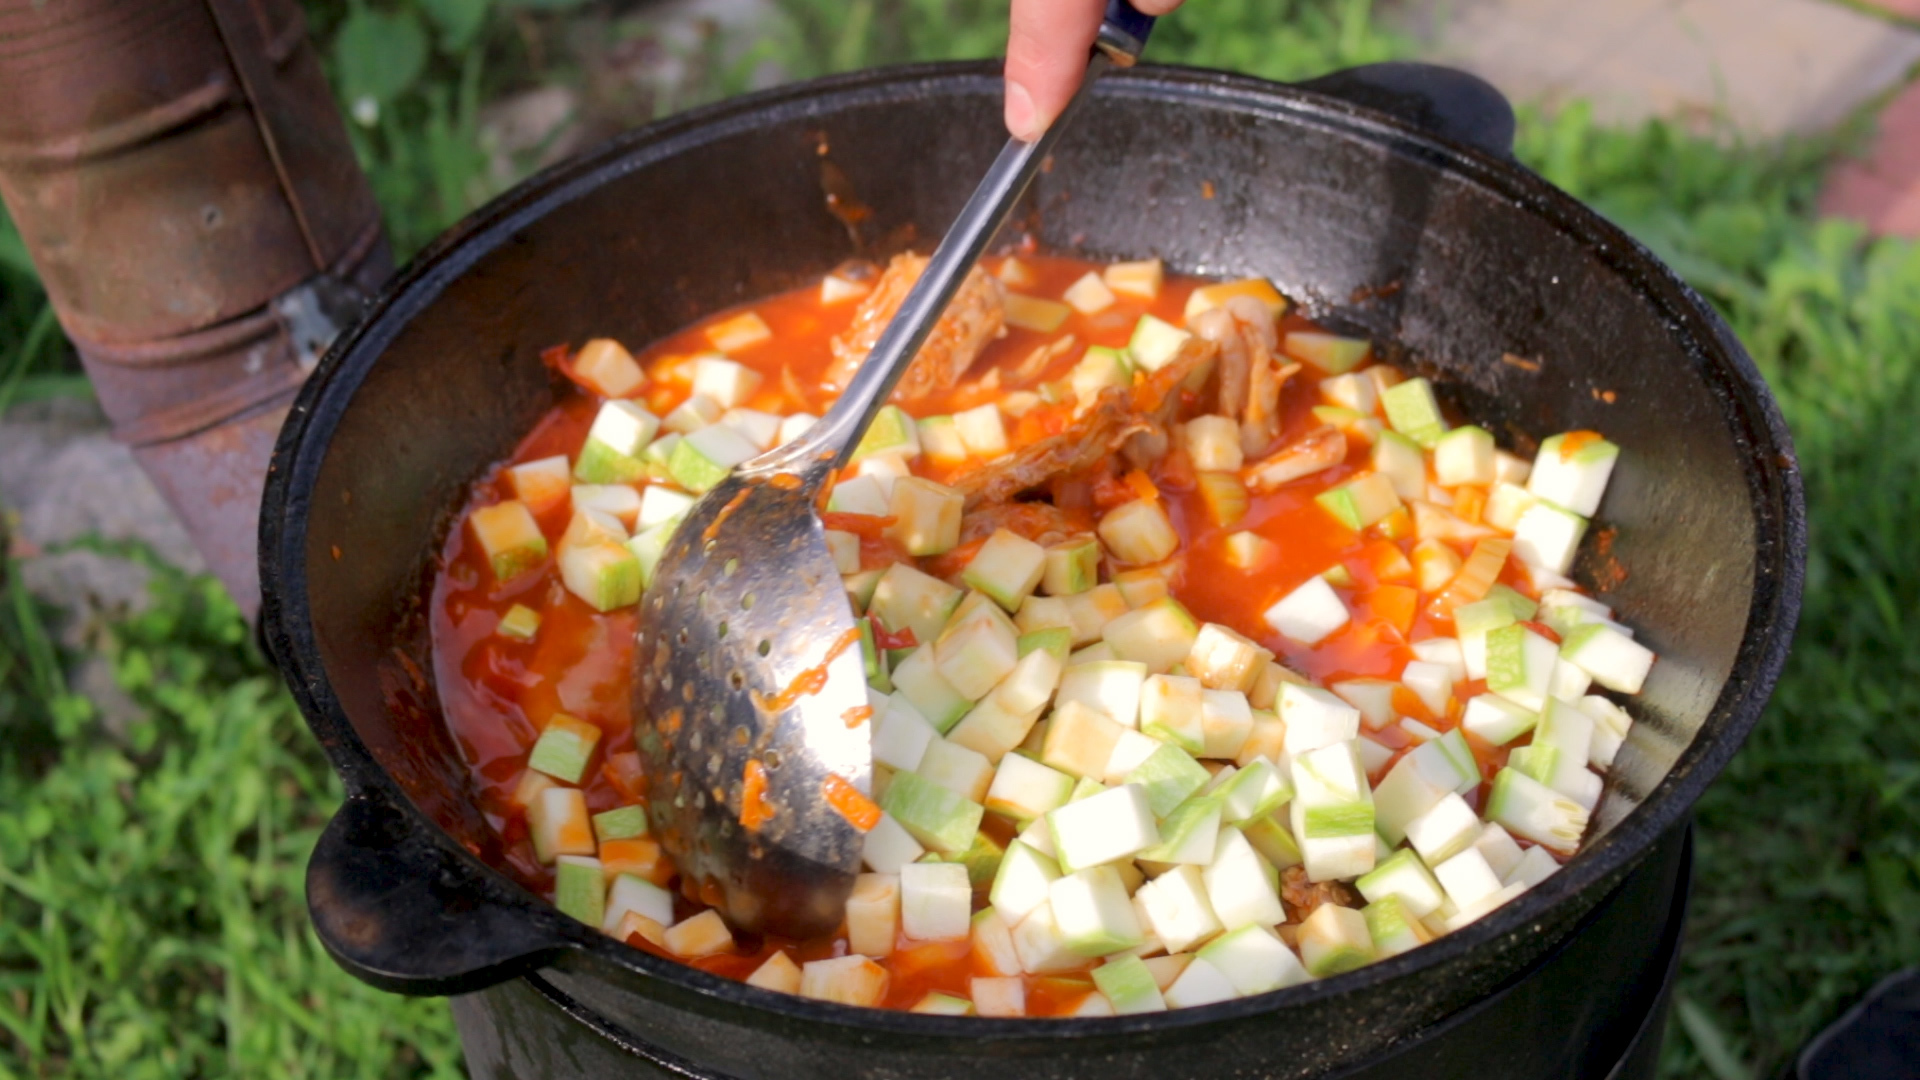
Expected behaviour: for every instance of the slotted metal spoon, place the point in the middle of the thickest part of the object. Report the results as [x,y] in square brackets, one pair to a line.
[749,689]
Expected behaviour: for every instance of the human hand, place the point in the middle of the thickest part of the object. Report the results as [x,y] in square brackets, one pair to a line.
[1047,46]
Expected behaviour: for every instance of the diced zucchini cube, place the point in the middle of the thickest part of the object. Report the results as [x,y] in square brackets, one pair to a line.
[1041,946]
[1007,568]
[543,484]
[1168,776]
[993,952]
[1079,740]
[1094,913]
[564,747]
[638,895]
[1033,313]
[859,495]
[620,433]
[1100,369]
[1536,865]
[648,547]
[993,730]
[926,516]
[1243,889]
[844,980]
[762,429]
[608,368]
[1091,611]
[1520,665]
[982,431]
[901,735]
[1224,659]
[1362,502]
[1496,719]
[1207,297]
[1021,883]
[1392,928]
[1400,460]
[1190,835]
[705,457]
[1128,984]
[1413,412]
[1402,875]
[1610,726]
[1200,983]
[884,470]
[1308,614]
[1024,789]
[940,441]
[520,623]
[1111,825]
[1568,731]
[1350,391]
[1155,344]
[845,549]
[906,599]
[1054,640]
[1335,939]
[998,995]
[660,505]
[1315,718]
[1139,279]
[1444,652]
[937,1003]
[1176,908]
[793,426]
[1615,660]
[892,432]
[1170,710]
[1533,811]
[1464,456]
[1213,443]
[509,538]
[1111,688]
[936,901]
[691,415]
[1444,831]
[975,652]
[1431,683]
[724,381]
[1139,532]
[1071,567]
[557,821]
[1270,837]
[936,817]
[1372,697]
[606,576]
[1226,722]
[1548,536]
[1329,353]
[1089,295]
[705,934]
[1572,470]
[580,889]
[1142,585]
[1254,792]
[1254,960]
[888,846]
[1467,878]
[1158,635]
[966,773]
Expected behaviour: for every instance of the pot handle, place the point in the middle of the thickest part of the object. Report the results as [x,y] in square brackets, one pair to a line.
[1444,101]
[403,913]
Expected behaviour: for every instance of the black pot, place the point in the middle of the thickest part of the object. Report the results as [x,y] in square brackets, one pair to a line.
[1385,199]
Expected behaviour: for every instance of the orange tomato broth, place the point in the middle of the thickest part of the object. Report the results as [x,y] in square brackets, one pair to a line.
[497,692]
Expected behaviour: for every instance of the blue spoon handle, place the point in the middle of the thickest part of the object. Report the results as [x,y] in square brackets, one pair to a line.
[1123,33]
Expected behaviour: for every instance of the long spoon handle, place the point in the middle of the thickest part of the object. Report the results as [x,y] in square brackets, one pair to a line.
[1122,35]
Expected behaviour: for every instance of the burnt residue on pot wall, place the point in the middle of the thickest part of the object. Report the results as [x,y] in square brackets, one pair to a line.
[1441,244]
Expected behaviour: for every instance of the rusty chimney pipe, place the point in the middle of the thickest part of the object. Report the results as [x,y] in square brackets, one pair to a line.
[184,182]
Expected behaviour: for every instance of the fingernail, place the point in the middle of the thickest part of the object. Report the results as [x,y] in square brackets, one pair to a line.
[1020,112]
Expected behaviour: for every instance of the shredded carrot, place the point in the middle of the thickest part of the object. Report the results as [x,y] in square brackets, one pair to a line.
[755,811]
[893,639]
[640,856]
[1575,441]
[785,481]
[846,800]
[1470,503]
[1142,486]
[810,681]
[857,715]
[1542,629]
[713,527]
[870,526]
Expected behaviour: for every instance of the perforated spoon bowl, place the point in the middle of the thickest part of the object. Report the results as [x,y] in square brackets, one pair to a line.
[750,695]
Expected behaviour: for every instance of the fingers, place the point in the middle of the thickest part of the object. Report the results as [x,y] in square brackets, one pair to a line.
[1047,46]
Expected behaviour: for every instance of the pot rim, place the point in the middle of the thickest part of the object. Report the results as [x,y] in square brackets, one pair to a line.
[1773,476]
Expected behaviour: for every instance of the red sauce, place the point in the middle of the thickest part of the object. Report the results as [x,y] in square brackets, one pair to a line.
[499,693]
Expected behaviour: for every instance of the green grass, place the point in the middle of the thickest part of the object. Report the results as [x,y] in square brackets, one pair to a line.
[151,921]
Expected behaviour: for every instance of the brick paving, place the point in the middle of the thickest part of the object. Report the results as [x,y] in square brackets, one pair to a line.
[1754,69]
[1883,189]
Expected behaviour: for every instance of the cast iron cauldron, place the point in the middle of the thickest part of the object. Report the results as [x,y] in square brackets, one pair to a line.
[1384,199]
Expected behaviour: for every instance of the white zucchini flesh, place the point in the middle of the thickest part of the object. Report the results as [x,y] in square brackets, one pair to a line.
[1315,718]
[1022,881]
[936,901]
[1254,960]
[1310,613]
[887,847]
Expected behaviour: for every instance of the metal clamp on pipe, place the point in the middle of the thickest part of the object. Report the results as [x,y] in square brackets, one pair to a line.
[183,179]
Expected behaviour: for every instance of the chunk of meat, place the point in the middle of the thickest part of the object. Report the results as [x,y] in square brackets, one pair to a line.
[1316,451]
[1302,897]
[976,316]
[1251,373]
[1099,429]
